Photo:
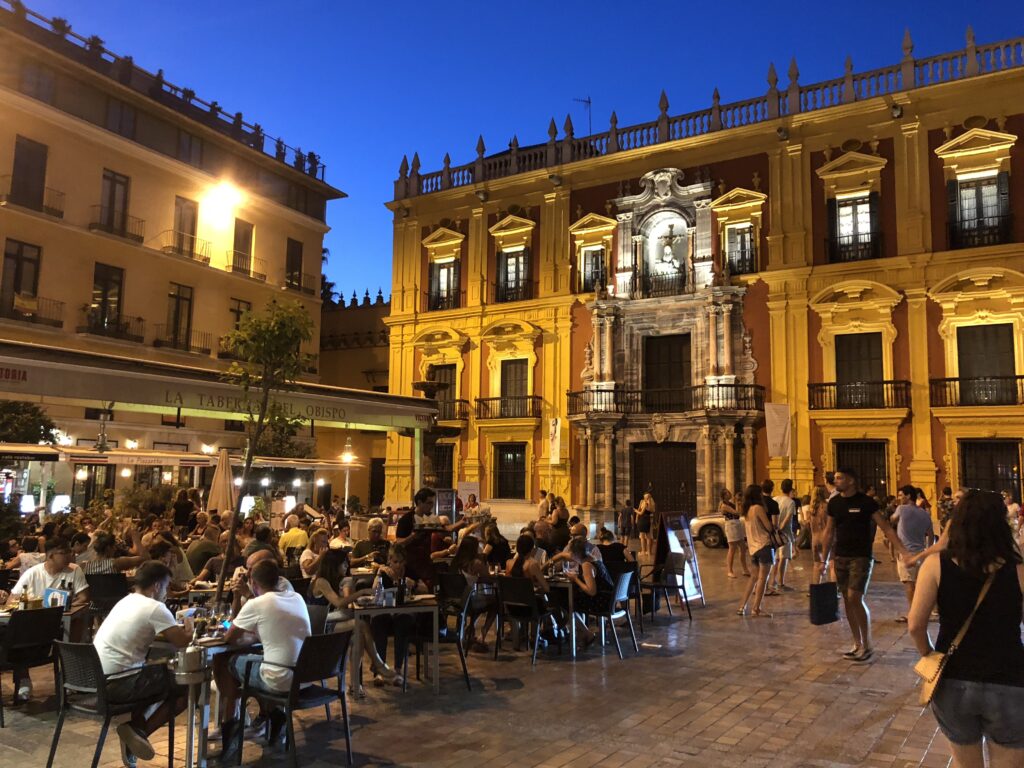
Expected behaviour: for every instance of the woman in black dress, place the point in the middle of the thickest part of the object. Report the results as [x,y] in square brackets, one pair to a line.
[592,587]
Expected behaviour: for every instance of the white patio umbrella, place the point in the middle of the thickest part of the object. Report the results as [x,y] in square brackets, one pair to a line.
[222,490]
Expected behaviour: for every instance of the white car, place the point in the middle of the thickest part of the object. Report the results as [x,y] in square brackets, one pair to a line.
[710,529]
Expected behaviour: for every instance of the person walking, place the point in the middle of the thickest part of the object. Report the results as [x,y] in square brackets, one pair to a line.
[850,532]
[735,535]
[915,529]
[757,525]
[644,516]
[981,692]
[818,521]
[625,521]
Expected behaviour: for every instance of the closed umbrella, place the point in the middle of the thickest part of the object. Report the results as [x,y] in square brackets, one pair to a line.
[222,491]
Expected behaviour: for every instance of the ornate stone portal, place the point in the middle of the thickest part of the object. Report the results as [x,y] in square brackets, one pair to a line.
[669,401]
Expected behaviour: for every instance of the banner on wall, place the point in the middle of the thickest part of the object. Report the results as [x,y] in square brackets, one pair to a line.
[555,441]
[776,422]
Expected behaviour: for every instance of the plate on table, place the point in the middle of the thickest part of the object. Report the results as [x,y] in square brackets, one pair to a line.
[420,598]
[203,585]
[207,642]
[362,571]
[364,601]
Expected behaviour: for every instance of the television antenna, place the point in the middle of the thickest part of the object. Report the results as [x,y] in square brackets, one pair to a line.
[588,104]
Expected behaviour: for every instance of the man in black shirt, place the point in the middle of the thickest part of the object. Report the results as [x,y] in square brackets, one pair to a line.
[771,506]
[852,519]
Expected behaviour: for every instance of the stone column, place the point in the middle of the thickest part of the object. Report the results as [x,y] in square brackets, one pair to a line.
[922,469]
[729,436]
[584,469]
[748,456]
[727,341]
[709,468]
[712,341]
[609,470]
[609,354]
[591,467]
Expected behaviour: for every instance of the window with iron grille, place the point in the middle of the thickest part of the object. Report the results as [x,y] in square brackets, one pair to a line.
[979,210]
[238,308]
[21,273]
[444,460]
[179,316]
[293,264]
[28,177]
[186,224]
[107,295]
[992,465]
[444,285]
[592,271]
[853,227]
[739,248]
[510,470]
[513,274]
[868,459]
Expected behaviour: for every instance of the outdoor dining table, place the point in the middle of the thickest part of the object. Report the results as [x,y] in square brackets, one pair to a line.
[413,605]
[66,619]
[558,581]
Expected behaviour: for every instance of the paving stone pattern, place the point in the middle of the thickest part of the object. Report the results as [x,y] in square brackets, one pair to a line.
[721,691]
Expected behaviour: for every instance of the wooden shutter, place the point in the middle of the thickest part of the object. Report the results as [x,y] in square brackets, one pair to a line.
[455,287]
[524,278]
[874,210]
[1003,195]
[832,212]
[502,281]
[952,211]
[435,283]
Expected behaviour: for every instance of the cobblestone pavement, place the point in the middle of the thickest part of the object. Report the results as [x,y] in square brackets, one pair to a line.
[720,691]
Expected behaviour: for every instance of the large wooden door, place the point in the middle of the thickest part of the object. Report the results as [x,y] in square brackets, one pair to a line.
[987,368]
[669,472]
[667,373]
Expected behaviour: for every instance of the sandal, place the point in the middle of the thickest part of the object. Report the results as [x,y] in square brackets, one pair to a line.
[760,614]
[731,575]
[741,612]
[901,619]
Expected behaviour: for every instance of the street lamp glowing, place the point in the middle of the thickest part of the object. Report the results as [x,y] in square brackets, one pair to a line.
[346,455]
[207,449]
[265,482]
[126,472]
[238,482]
[219,204]
[319,482]
[296,483]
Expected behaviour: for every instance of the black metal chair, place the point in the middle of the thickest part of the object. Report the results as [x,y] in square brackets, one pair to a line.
[664,579]
[519,603]
[321,657]
[8,578]
[105,590]
[318,618]
[27,642]
[300,584]
[82,687]
[453,599]
[614,569]
[618,608]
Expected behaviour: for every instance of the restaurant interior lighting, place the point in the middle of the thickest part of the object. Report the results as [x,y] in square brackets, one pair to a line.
[131,445]
[238,482]
[63,438]
[219,204]
[319,482]
[81,474]
[296,483]
[167,477]
[126,472]
[207,448]
[265,482]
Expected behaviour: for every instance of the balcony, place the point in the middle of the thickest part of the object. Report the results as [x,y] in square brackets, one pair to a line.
[983,391]
[591,282]
[702,397]
[742,261]
[124,328]
[846,248]
[441,301]
[117,223]
[516,407]
[986,230]
[452,410]
[859,394]
[303,283]
[243,263]
[34,309]
[184,244]
[42,199]
[520,291]
[656,286]
[200,342]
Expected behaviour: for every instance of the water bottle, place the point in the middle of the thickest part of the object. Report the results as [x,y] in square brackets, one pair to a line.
[378,591]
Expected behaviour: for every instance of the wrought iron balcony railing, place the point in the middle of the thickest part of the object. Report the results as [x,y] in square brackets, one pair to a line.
[441,301]
[34,309]
[655,286]
[118,223]
[124,328]
[183,244]
[518,291]
[200,342]
[846,248]
[516,407]
[243,263]
[701,397]
[304,283]
[986,390]
[859,394]
[984,230]
[43,199]
[452,410]
[742,261]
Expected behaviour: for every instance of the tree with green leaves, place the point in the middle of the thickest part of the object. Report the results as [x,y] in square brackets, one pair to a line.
[327,287]
[268,358]
[22,422]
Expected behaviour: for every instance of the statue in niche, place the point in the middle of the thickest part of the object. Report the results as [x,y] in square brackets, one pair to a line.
[667,257]
[587,374]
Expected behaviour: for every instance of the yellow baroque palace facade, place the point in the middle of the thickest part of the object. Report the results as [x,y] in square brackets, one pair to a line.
[611,314]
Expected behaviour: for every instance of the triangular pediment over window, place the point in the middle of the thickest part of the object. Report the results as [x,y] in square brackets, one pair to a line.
[441,237]
[512,231]
[851,164]
[593,224]
[738,198]
[976,141]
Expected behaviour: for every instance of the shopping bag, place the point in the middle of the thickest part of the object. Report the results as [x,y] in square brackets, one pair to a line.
[824,603]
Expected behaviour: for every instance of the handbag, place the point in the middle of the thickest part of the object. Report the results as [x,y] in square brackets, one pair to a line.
[930,667]
[775,536]
[824,603]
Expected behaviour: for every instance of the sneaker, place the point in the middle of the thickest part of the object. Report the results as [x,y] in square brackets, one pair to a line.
[853,653]
[864,657]
[277,726]
[24,693]
[136,741]
[127,757]
[786,588]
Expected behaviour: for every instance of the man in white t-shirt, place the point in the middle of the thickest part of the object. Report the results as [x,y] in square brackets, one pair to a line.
[278,620]
[787,514]
[122,643]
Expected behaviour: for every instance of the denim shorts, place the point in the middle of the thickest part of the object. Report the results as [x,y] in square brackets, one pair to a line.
[256,682]
[764,556]
[966,711]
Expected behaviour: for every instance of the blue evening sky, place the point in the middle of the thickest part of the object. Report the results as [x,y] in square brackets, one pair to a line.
[362,83]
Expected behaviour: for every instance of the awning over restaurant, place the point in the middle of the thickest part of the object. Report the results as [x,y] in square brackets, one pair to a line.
[51,375]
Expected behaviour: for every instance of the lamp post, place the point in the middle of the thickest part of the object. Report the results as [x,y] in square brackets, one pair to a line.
[346,458]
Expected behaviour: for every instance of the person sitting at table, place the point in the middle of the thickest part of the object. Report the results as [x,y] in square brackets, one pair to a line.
[543,540]
[592,587]
[203,548]
[471,563]
[578,533]
[278,620]
[153,527]
[181,571]
[107,560]
[496,548]
[525,566]
[343,536]
[80,543]
[239,584]
[55,572]
[332,586]
[613,551]
[262,538]
[28,557]
[246,532]
[309,560]
[122,643]
[400,625]
[294,537]
[372,549]
[198,524]
[211,571]
[163,552]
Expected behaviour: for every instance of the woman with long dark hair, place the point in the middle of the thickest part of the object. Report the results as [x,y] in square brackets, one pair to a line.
[470,562]
[980,695]
[757,525]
